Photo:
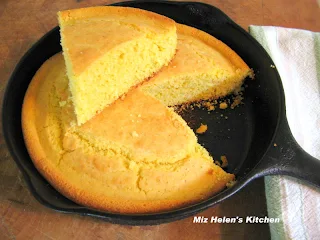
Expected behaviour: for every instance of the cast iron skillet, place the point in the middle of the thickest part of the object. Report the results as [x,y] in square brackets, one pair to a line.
[247,137]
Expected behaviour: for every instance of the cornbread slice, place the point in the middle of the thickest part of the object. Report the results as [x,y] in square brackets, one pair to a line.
[108,50]
[203,68]
[136,156]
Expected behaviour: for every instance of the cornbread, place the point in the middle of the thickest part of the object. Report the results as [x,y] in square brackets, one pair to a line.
[203,68]
[224,161]
[223,105]
[135,156]
[108,50]
[202,129]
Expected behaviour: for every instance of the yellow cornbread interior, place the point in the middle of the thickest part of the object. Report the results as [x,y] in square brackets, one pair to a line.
[203,68]
[108,50]
[135,156]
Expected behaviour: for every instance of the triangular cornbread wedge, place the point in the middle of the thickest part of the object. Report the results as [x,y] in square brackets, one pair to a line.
[136,156]
[110,49]
[203,68]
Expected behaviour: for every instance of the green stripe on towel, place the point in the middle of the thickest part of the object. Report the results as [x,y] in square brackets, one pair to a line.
[272,183]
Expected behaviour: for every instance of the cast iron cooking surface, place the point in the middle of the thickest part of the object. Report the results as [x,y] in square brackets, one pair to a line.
[244,137]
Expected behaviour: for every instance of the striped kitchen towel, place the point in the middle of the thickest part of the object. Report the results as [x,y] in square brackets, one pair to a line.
[296,54]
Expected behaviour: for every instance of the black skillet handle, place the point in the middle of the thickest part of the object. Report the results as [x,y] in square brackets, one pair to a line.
[286,157]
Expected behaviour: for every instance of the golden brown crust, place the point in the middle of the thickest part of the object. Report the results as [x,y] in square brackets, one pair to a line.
[102,11]
[121,205]
[235,59]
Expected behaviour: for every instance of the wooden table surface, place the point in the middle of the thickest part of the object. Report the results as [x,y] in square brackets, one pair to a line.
[22,23]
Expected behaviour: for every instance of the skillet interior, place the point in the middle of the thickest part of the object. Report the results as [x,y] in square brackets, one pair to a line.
[252,125]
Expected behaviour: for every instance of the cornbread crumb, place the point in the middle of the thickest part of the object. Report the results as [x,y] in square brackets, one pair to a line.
[251,74]
[223,105]
[275,145]
[209,106]
[236,101]
[231,183]
[202,129]
[224,161]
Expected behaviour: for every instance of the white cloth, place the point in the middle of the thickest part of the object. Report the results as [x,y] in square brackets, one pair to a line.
[296,54]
